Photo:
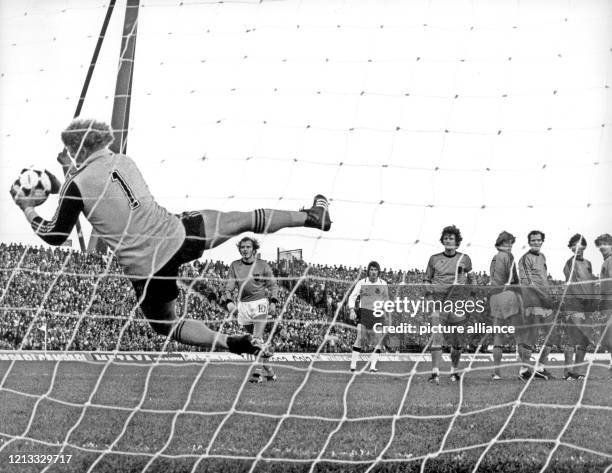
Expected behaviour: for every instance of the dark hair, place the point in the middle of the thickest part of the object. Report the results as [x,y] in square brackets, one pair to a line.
[253,241]
[605,239]
[535,232]
[373,264]
[577,238]
[505,237]
[451,230]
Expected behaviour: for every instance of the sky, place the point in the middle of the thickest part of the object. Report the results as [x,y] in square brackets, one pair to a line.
[408,116]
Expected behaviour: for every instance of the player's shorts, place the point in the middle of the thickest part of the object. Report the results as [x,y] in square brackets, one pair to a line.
[579,309]
[248,312]
[538,312]
[504,305]
[162,288]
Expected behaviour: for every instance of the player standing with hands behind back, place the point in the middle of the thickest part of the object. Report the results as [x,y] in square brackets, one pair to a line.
[257,296]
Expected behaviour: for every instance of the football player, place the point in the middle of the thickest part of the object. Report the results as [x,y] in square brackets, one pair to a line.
[257,296]
[149,242]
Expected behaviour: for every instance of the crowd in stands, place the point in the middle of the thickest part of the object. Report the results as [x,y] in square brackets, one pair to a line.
[61,299]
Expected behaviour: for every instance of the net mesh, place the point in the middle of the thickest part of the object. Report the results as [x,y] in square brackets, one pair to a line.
[406,116]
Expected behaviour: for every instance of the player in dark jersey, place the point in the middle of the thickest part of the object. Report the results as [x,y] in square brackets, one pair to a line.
[505,303]
[604,245]
[445,270]
[256,299]
[149,242]
[579,304]
[537,302]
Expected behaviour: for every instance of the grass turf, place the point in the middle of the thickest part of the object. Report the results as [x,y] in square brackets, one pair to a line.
[344,422]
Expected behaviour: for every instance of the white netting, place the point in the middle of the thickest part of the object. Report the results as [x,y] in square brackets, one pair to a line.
[408,116]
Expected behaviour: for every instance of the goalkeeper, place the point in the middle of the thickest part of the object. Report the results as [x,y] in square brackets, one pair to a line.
[255,282]
[149,242]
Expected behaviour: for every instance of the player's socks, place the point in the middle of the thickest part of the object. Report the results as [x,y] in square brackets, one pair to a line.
[241,344]
[436,357]
[544,354]
[497,358]
[455,356]
[355,357]
[568,356]
[525,352]
[374,358]
[195,332]
[270,221]
[579,358]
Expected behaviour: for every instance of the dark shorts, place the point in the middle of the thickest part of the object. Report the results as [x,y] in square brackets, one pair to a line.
[162,288]
[367,319]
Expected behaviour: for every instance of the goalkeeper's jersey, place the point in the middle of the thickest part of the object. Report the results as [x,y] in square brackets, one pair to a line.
[254,281]
[368,292]
[114,197]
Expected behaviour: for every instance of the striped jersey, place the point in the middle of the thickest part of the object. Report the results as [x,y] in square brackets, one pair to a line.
[533,270]
[368,293]
[443,269]
[114,197]
[254,281]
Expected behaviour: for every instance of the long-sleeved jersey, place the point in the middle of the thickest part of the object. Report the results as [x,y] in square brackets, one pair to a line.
[533,270]
[577,272]
[605,287]
[254,281]
[368,293]
[114,197]
[503,269]
[446,270]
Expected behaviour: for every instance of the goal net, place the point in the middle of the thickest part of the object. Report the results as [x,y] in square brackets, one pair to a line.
[408,117]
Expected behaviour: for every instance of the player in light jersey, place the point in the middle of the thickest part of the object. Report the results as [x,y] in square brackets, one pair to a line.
[505,303]
[149,242]
[580,302]
[604,244]
[257,296]
[444,270]
[537,302]
[369,290]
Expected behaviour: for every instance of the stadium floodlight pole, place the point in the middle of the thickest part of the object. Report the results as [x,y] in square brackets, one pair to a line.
[123,94]
[63,157]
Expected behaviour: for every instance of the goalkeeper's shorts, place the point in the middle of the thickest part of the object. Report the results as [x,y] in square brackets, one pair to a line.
[162,288]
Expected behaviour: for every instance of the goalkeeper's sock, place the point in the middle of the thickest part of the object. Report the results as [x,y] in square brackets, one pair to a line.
[355,357]
[270,221]
[195,332]
[568,357]
[374,358]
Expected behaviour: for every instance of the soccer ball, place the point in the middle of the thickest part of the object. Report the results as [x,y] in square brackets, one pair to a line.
[33,185]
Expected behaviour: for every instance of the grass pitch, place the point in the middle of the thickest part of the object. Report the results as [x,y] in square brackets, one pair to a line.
[324,419]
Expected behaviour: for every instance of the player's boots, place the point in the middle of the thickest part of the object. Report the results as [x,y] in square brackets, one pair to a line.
[246,345]
[434,378]
[318,214]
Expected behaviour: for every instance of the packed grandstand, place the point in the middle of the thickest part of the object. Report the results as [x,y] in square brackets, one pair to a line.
[48,293]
